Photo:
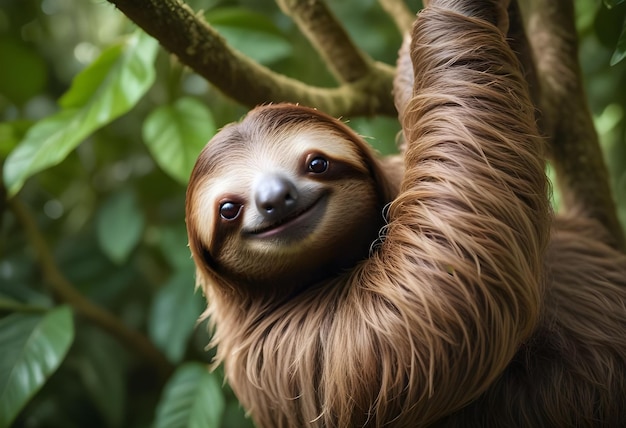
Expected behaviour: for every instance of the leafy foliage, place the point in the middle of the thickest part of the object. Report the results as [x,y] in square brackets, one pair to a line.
[105,90]
[176,133]
[34,346]
[100,129]
[119,225]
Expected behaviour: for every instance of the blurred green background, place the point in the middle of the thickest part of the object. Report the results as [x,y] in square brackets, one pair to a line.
[103,212]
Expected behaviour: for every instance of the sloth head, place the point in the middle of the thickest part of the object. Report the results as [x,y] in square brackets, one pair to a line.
[283,199]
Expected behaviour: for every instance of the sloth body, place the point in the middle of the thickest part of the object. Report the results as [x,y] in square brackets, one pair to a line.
[465,304]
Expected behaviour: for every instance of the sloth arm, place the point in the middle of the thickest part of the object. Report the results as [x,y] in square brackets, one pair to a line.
[456,285]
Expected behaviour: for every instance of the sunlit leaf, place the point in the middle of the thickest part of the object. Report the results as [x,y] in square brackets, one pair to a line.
[120,225]
[175,135]
[620,50]
[246,31]
[174,314]
[92,77]
[33,347]
[192,398]
[108,88]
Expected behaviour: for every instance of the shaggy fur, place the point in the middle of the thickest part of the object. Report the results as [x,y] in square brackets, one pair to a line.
[474,308]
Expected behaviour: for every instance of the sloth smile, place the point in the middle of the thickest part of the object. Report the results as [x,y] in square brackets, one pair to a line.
[293,226]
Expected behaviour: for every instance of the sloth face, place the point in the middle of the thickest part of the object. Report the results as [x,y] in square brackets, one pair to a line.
[283,200]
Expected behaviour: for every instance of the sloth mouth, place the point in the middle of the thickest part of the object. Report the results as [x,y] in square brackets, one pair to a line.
[295,225]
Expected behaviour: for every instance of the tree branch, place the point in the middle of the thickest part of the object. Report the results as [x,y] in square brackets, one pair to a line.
[344,59]
[66,292]
[400,13]
[201,48]
[575,149]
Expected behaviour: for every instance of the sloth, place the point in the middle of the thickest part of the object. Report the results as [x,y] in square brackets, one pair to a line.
[433,288]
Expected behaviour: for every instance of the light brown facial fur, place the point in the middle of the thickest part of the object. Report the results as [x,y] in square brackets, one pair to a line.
[304,192]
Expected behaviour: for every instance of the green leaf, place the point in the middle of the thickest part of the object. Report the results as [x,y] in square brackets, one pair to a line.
[170,326]
[246,31]
[108,88]
[620,49]
[33,347]
[120,224]
[192,398]
[92,77]
[175,135]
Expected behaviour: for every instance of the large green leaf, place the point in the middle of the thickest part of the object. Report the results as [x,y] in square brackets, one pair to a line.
[106,89]
[192,398]
[175,135]
[120,224]
[32,346]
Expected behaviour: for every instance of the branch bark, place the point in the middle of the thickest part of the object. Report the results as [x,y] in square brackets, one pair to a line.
[200,47]
[575,150]
[344,59]
[332,42]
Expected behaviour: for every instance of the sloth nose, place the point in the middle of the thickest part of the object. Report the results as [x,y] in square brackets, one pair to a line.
[275,196]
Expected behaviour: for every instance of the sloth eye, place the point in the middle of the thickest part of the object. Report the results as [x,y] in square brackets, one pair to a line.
[230,210]
[318,165]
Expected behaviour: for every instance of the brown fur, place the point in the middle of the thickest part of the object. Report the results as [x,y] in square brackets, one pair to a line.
[473,308]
